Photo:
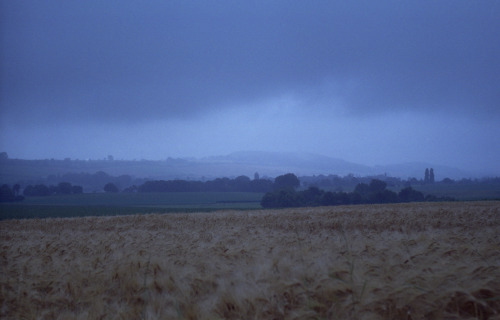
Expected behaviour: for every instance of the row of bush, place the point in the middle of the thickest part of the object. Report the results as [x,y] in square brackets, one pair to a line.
[12,194]
[41,190]
[8,194]
[239,184]
[375,192]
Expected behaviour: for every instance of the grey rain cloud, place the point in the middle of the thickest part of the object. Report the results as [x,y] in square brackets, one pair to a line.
[123,60]
[373,82]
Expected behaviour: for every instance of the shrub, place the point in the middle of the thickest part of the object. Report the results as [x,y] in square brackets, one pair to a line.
[111,188]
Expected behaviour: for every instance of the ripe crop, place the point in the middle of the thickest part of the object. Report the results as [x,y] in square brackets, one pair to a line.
[398,261]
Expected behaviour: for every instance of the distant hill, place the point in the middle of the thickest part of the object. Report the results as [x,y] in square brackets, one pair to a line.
[277,163]
[267,164]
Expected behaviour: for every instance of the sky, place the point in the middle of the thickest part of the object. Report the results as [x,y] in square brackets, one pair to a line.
[372,82]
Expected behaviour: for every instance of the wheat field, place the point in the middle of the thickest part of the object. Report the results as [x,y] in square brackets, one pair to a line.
[398,261]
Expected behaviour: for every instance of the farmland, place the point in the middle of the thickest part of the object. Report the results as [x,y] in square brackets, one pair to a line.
[477,191]
[105,204]
[398,261]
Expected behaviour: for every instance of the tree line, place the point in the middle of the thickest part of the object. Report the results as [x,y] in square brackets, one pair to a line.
[42,190]
[12,194]
[374,192]
[279,192]
[63,188]
[350,181]
[94,182]
[8,194]
[238,184]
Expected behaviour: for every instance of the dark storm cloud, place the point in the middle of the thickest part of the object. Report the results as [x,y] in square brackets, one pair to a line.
[130,61]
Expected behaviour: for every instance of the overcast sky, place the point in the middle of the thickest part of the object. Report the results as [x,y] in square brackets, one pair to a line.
[374,82]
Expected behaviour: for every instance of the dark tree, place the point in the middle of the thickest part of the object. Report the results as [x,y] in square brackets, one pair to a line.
[8,195]
[328,199]
[242,183]
[375,192]
[385,196]
[270,200]
[426,176]
[312,196]
[362,189]
[284,198]
[410,195]
[261,185]
[335,198]
[131,189]
[110,188]
[39,190]
[64,188]
[76,189]
[431,176]
[53,190]
[377,186]
[16,189]
[286,181]
[356,198]
[28,191]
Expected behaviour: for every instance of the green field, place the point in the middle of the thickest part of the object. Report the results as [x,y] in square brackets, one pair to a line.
[461,192]
[98,204]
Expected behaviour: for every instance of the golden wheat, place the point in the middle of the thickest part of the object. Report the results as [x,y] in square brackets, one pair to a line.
[401,261]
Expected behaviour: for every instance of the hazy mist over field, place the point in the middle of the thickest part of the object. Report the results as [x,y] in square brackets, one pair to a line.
[372,82]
